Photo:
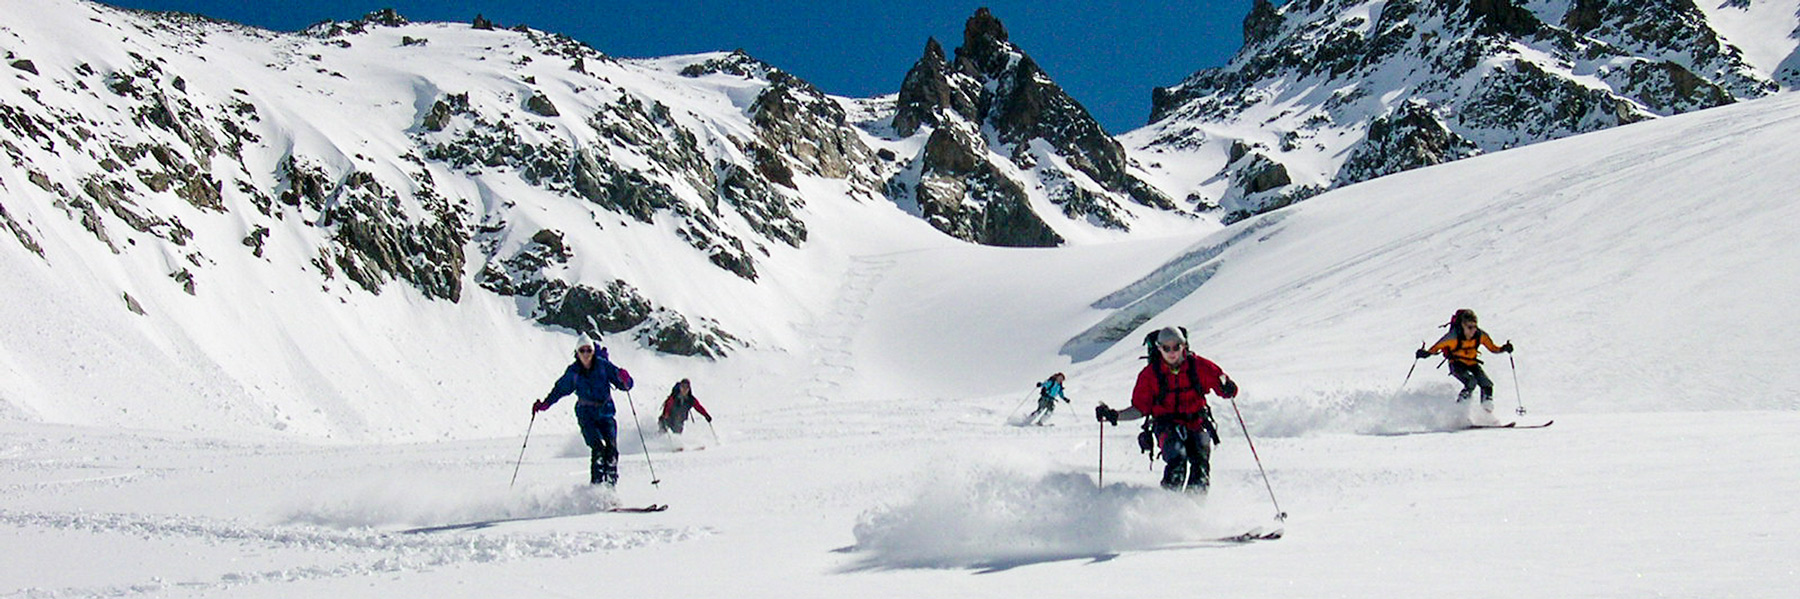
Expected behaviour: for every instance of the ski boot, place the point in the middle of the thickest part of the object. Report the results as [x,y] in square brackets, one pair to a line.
[1175,475]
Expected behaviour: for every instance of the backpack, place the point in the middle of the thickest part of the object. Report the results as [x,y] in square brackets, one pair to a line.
[1456,319]
[1455,325]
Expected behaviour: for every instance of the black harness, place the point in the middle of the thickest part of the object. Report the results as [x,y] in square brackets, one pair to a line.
[1164,390]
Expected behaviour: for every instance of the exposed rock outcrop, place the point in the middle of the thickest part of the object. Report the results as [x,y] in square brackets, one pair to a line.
[978,187]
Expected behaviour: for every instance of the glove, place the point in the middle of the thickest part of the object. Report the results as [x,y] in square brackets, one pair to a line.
[1228,389]
[625,377]
[540,405]
[1421,354]
[1506,348]
[708,417]
[1065,400]
[1106,414]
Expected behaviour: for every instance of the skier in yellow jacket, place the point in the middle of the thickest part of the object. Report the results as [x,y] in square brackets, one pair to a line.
[1460,347]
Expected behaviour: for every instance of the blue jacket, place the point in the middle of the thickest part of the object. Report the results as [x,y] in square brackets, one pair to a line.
[591,386]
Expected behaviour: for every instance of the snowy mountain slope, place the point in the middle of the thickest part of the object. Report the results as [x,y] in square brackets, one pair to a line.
[1764,31]
[1330,93]
[865,451]
[1619,257]
[265,227]
[1630,266]
[239,211]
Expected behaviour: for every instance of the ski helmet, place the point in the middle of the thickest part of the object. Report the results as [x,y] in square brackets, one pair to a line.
[1171,335]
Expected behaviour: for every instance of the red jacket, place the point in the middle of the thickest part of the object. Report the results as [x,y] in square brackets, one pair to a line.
[1183,403]
[673,408]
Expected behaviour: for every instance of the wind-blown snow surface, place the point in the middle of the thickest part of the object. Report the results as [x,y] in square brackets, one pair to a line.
[1643,273]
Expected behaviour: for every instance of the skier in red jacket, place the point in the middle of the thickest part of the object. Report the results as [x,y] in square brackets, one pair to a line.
[1171,390]
[675,409]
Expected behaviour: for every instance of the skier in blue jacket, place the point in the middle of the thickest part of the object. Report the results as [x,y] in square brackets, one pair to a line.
[591,378]
[1048,392]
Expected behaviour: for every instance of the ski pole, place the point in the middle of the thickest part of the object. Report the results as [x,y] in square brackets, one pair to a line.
[1015,410]
[1409,371]
[515,478]
[1101,471]
[654,481]
[1279,515]
[715,432]
[1515,372]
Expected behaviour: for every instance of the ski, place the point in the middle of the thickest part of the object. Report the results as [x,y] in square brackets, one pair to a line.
[1512,425]
[654,507]
[1256,534]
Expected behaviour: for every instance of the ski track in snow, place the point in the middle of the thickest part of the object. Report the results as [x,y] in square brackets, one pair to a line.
[358,552]
[334,528]
[833,333]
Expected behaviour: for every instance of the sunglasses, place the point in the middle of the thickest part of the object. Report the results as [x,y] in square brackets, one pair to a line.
[585,350]
[1169,348]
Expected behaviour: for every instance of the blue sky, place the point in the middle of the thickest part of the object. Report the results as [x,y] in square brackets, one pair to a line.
[1108,55]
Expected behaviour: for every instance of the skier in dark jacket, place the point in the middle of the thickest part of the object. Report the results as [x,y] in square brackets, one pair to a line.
[1460,347]
[591,378]
[675,409]
[1172,390]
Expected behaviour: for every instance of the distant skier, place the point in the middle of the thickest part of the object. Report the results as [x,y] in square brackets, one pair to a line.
[1172,390]
[591,378]
[1460,347]
[675,409]
[1048,392]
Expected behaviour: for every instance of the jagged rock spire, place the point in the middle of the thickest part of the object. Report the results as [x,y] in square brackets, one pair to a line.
[992,85]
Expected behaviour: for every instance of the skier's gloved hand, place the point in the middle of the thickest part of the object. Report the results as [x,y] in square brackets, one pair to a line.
[1106,414]
[1506,348]
[625,380]
[1421,354]
[708,417]
[540,405]
[1228,389]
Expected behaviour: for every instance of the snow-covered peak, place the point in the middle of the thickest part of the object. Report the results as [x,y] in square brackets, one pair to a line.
[1333,92]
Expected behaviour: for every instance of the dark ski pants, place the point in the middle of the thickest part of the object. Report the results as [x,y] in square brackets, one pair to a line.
[1045,407]
[1472,376]
[1187,457]
[601,434]
[672,425]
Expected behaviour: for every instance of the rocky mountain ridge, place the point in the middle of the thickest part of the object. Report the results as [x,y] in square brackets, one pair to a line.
[382,152]
[453,159]
[1327,93]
